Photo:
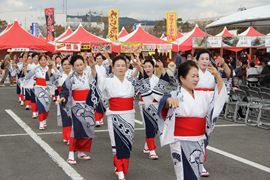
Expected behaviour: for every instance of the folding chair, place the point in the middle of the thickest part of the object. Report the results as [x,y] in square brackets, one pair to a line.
[241,103]
[253,107]
[263,119]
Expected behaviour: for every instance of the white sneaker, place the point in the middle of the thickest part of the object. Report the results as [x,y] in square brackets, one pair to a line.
[204,172]
[34,115]
[45,123]
[27,107]
[22,103]
[146,151]
[153,155]
[98,124]
[41,126]
[121,175]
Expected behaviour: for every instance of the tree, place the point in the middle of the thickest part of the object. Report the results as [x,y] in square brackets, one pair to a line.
[3,25]
[159,28]
[59,30]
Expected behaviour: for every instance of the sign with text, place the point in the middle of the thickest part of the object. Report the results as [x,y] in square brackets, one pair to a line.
[131,47]
[49,17]
[113,24]
[171,26]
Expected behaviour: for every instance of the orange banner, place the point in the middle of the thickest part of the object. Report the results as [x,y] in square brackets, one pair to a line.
[113,24]
[171,26]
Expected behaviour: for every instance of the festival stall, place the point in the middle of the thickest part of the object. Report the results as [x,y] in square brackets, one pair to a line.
[16,37]
[82,40]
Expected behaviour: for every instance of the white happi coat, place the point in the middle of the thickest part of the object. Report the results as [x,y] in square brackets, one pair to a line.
[199,106]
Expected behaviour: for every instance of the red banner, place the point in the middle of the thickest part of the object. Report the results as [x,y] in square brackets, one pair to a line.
[49,16]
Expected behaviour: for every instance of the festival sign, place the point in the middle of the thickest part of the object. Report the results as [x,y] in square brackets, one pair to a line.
[113,24]
[214,42]
[171,26]
[68,47]
[49,16]
[131,47]
[101,47]
[199,42]
[149,47]
[164,47]
[85,46]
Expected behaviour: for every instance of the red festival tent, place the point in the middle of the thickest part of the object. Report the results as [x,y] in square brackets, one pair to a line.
[17,37]
[67,32]
[80,35]
[251,32]
[225,33]
[40,36]
[139,35]
[185,43]
[123,32]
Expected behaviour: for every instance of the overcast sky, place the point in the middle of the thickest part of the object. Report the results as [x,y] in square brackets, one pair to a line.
[140,9]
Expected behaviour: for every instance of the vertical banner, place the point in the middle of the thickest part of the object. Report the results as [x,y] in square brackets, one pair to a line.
[113,24]
[171,26]
[49,16]
[34,29]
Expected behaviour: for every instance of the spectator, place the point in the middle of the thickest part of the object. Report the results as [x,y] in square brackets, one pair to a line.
[266,74]
[252,74]
[178,60]
[5,66]
[240,74]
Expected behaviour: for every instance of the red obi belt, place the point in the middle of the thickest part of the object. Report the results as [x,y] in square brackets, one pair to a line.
[204,89]
[80,95]
[121,104]
[41,82]
[189,126]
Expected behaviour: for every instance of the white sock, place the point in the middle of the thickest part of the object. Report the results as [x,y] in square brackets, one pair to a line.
[121,175]
[71,155]
[153,152]
[145,146]
[80,154]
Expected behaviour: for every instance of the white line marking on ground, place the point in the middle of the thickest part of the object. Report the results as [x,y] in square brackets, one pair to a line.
[11,135]
[237,158]
[70,171]
[230,125]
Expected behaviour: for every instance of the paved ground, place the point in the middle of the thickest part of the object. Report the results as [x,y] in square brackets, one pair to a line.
[236,152]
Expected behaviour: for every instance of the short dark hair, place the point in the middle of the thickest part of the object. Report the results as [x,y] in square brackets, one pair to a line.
[202,51]
[184,68]
[118,58]
[99,54]
[149,61]
[64,59]
[42,55]
[34,54]
[252,64]
[75,58]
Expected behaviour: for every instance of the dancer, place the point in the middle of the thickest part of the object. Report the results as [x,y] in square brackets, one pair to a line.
[185,125]
[120,115]
[73,96]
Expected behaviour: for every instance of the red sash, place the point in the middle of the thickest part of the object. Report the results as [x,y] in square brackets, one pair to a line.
[80,95]
[121,104]
[204,89]
[41,82]
[189,126]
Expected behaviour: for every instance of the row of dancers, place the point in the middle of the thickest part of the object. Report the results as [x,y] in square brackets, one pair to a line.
[86,88]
